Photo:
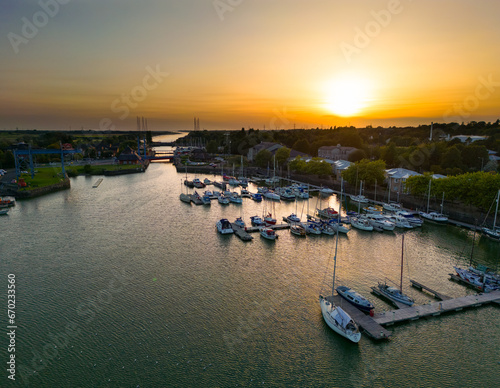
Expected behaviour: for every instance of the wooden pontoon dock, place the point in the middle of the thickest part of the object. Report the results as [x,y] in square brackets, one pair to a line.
[436,294]
[367,323]
[435,308]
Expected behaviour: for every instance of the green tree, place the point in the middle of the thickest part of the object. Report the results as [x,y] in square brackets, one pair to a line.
[298,165]
[357,155]
[318,167]
[452,157]
[475,157]
[282,155]
[301,145]
[390,154]
[263,158]
[212,147]
[366,171]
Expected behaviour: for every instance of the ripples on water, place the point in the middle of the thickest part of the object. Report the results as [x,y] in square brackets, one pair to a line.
[160,299]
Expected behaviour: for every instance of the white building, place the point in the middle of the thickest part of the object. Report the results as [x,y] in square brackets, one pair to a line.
[396,178]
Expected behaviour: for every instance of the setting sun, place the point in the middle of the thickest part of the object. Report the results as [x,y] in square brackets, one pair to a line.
[347,95]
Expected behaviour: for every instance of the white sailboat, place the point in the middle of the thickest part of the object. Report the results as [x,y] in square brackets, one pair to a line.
[438,218]
[494,233]
[184,197]
[335,316]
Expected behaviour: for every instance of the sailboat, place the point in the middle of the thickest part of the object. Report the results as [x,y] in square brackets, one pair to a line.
[359,198]
[335,316]
[184,197]
[394,293]
[494,233]
[438,218]
[391,206]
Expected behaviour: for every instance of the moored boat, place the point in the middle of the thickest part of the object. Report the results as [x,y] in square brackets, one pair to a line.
[394,293]
[298,230]
[355,298]
[327,212]
[268,233]
[257,221]
[293,218]
[269,219]
[224,226]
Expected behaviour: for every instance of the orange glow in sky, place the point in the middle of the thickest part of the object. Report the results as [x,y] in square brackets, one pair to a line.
[261,64]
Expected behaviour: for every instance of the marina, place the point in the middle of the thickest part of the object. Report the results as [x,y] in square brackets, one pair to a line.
[173,307]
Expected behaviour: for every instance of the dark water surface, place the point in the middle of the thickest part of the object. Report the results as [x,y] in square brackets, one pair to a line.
[124,285]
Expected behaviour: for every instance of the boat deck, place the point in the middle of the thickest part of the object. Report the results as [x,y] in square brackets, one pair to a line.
[435,308]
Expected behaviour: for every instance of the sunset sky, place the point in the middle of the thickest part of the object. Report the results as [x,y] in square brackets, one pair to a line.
[247,63]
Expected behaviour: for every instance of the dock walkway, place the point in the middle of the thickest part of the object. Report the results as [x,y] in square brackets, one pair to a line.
[367,323]
[435,308]
[241,233]
[436,294]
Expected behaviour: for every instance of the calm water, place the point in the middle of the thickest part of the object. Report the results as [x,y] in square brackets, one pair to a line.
[124,285]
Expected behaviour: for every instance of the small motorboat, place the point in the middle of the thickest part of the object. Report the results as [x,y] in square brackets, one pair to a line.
[268,233]
[224,226]
[293,218]
[298,230]
[269,220]
[257,221]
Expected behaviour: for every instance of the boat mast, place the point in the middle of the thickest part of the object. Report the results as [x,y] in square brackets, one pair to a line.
[335,257]
[429,196]
[402,251]
[442,203]
[340,200]
[389,196]
[473,241]
[496,211]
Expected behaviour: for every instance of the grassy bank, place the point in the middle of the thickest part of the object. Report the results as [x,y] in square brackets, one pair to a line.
[48,176]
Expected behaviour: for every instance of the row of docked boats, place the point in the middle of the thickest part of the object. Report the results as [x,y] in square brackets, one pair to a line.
[480,278]
[224,226]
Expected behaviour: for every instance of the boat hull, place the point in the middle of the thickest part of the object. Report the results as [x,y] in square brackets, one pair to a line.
[326,310]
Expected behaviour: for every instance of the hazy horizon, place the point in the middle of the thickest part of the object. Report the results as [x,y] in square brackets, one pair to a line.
[69,65]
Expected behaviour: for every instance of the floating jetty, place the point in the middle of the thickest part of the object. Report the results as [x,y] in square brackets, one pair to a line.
[97,183]
[241,233]
[367,323]
[373,325]
[436,294]
[435,308]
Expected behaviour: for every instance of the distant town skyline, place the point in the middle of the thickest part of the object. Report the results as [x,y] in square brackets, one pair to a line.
[259,64]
